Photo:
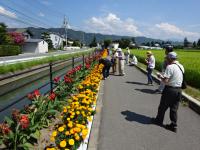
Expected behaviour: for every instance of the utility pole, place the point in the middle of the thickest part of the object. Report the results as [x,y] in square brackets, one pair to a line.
[65,25]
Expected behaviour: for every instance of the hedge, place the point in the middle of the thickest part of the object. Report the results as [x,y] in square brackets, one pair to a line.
[9,50]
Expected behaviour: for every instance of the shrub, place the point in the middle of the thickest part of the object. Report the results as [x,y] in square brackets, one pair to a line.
[9,50]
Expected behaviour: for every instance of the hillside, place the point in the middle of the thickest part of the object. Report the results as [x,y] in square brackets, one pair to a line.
[83,36]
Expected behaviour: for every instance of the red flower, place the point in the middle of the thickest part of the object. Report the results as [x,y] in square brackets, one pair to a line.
[56,79]
[30,96]
[4,128]
[24,121]
[36,93]
[68,79]
[52,96]
[87,66]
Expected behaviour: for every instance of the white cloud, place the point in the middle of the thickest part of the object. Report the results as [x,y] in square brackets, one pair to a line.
[112,24]
[168,31]
[45,2]
[41,14]
[7,12]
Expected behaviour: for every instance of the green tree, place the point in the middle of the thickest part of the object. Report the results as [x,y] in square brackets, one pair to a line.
[133,40]
[152,43]
[94,42]
[124,43]
[76,43]
[4,37]
[46,37]
[107,42]
[185,42]
[194,44]
[198,43]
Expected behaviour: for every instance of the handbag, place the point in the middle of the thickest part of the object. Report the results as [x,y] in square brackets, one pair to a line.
[184,84]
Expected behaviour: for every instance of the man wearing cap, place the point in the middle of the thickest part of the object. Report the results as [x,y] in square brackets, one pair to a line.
[120,56]
[171,95]
[150,61]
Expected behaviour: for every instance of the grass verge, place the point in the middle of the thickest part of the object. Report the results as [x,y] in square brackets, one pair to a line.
[195,93]
[27,65]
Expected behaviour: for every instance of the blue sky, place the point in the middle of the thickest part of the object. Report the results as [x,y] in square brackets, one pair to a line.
[163,19]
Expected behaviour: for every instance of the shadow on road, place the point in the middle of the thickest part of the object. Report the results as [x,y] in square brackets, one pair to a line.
[148,91]
[138,83]
[132,116]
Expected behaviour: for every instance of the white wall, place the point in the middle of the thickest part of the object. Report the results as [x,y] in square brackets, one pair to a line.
[42,47]
[57,41]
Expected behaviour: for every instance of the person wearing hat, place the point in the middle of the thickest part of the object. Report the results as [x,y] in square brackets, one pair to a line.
[168,49]
[120,57]
[150,61]
[171,95]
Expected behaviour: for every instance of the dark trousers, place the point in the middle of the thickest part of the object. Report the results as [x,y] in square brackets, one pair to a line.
[149,76]
[170,99]
[106,70]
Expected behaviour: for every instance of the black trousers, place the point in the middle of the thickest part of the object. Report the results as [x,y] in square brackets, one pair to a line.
[105,71]
[170,99]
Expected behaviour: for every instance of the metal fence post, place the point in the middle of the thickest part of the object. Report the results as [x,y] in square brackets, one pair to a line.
[83,60]
[73,62]
[51,76]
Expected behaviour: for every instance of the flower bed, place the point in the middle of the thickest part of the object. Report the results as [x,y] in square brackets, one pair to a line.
[23,129]
[77,114]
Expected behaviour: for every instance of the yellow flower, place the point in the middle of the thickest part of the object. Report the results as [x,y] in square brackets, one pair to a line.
[68,119]
[71,142]
[52,139]
[77,137]
[67,133]
[50,149]
[54,133]
[63,143]
[70,125]
[61,129]
[85,132]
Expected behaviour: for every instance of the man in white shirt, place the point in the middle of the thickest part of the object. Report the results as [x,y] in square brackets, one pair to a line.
[150,61]
[171,96]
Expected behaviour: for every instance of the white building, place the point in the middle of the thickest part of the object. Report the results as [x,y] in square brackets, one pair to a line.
[57,40]
[35,46]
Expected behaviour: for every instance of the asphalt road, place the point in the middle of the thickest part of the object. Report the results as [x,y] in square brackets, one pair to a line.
[32,56]
[128,105]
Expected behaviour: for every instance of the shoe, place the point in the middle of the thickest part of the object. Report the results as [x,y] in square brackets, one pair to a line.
[156,122]
[171,127]
[150,84]
[158,91]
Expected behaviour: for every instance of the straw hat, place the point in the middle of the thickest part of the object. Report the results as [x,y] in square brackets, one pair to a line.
[149,53]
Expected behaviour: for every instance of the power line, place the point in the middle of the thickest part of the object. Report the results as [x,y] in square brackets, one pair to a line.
[32,12]
[28,17]
[19,20]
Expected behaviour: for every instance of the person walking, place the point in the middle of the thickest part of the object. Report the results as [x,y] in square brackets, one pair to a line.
[127,55]
[120,56]
[114,62]
[106,69]
[171,95]
[150,61]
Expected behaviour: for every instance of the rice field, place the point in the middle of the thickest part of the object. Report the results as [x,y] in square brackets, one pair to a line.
[189,58]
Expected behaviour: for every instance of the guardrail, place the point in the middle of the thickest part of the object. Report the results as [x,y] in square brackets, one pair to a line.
[34,75]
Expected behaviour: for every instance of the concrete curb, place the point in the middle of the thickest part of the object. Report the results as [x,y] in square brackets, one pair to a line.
[192,102]
[94,135]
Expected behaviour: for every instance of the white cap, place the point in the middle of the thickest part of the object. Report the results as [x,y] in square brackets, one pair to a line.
[172,55]
[119,50]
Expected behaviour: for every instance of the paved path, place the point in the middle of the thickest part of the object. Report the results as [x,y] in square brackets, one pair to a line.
[128,105]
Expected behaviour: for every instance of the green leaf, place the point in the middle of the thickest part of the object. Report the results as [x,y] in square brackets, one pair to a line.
[9,121]
[26,146]
[35,135]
